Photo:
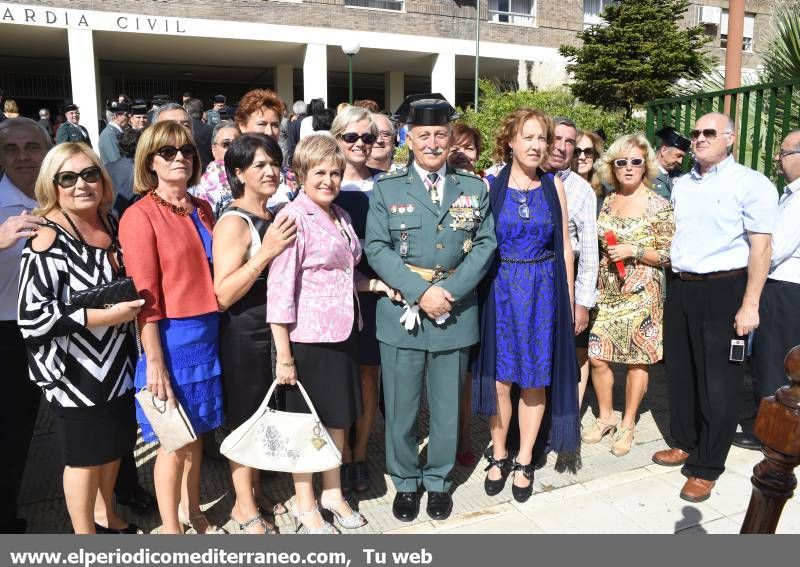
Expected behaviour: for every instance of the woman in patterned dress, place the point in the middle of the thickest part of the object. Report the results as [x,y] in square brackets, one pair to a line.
[625,325]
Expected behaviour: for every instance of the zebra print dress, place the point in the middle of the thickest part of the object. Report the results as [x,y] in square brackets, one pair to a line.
[86,373]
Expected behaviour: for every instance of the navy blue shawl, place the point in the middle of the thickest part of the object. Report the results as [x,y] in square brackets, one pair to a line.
[564,432]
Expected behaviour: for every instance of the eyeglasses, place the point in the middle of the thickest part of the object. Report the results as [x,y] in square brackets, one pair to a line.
[224,144]
[385,134]
[709,133]
[785,153]
[170,152]
[67,179]
[588,152]
[351,137]
[634,162]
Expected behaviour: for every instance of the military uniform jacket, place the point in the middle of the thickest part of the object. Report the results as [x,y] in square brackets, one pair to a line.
[69,132]
[108,144]
[405,227]
[663,184]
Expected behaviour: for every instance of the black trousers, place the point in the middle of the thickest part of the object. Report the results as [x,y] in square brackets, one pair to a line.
[704,387]
[777,333]
[20,406]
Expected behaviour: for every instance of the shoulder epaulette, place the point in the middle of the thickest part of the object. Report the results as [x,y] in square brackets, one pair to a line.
[396,173]
[468,173]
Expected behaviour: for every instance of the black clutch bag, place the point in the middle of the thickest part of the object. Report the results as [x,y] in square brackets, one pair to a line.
[105,295]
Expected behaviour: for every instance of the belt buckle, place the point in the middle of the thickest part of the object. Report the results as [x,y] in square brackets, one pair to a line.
[439,273]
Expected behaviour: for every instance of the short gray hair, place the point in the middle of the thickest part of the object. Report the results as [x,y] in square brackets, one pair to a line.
[167,107]
[299,107]
[44,113]
[564,121]
[20,123]
[222,126]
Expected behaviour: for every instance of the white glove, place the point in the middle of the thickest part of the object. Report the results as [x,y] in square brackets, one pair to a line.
[441,319]
[410,317]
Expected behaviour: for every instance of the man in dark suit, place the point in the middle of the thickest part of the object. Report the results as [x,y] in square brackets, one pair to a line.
[669,153]
[202,131]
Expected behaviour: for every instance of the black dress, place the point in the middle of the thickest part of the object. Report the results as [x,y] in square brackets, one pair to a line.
[246,340]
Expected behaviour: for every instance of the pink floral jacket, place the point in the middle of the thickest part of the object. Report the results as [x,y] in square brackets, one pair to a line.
[312,284]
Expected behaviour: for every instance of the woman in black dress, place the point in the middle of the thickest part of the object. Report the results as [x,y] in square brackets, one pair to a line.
[245,241]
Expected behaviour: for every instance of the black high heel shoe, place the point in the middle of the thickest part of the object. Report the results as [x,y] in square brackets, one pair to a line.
[129,529]
[522,494]
[494,487]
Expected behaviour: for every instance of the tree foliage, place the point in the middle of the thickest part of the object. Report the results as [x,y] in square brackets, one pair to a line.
[637,55]
[782,56]
[496,103]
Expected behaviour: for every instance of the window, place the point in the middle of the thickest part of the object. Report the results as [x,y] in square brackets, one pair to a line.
[747,36]
[592,10]
[396,5]
[519,12]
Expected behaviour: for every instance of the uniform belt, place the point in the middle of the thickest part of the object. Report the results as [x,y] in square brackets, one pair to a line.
[430,274]
[690,277]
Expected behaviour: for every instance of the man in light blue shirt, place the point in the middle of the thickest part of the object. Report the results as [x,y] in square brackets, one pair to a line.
[724,217]
[779,330]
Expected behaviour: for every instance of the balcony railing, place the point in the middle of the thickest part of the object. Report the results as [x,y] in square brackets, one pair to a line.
[508,17]
[396,5]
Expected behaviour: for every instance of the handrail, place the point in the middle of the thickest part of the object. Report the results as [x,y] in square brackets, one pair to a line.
[724,92]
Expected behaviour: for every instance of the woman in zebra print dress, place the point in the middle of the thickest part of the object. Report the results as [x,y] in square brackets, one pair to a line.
[81,358]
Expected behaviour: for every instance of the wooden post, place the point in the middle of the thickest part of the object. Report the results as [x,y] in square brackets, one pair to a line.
[778,427]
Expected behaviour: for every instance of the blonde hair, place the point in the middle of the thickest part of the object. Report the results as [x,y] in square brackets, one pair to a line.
[349,115]
[512,123]
[158,135]
[606,168]
[314,150]
[597,144]
[46,190]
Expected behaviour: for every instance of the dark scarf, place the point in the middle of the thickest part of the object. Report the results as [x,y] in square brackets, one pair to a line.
[564,434]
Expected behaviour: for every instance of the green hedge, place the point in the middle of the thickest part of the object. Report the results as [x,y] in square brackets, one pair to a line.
[496,103]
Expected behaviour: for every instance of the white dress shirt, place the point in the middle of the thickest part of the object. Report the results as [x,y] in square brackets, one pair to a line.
[12,202]
[786,238]
[713,214]
[582,211]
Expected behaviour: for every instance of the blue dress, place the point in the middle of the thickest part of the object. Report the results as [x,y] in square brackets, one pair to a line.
[525,291]
[191,354]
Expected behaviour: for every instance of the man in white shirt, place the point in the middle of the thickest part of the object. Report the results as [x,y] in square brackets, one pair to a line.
[23,145]
[779,330]
[724,217]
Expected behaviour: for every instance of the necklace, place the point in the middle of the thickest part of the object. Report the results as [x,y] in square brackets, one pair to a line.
[180,211]
[519,185]
[339,226]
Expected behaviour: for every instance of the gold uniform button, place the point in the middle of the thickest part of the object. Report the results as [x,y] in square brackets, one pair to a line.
[439,246]
[402,225]
[439,228]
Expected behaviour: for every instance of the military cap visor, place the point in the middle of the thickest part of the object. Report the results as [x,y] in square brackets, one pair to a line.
[70,107]
[670,137]
[219,99]
[429,109]
[119,107]
[138,110]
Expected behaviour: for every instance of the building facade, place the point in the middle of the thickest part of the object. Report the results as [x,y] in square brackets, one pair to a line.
[88,51]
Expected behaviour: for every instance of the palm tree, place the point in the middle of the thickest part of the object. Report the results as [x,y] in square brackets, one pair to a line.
[782,56]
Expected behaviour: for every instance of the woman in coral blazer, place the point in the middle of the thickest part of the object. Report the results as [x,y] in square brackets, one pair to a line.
[313,308]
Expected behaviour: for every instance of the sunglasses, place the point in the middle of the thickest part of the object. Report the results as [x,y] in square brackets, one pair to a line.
[352,137]
[709,133]
[635,162]
[588,152]
[67,179]
[169,152]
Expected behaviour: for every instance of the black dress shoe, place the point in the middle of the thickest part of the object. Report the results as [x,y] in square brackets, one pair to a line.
[130,529]
[440,504]
[137,499]
[495,487]
[406,506]
[521,494]
[747,441]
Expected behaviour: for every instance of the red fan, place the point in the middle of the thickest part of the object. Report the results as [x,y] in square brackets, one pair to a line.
[611,240]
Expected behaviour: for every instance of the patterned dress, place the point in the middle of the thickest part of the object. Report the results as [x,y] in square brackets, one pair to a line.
[525,290]
[626,324]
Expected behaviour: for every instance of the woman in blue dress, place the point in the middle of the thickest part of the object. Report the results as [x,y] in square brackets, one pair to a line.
[526,305]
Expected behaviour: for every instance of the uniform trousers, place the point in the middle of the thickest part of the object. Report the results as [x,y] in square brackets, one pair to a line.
[17,418]
[778,331]
[403,371]
[704,387]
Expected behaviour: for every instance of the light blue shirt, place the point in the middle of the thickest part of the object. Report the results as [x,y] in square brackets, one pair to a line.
[12,202]
[713,214]
[786,238]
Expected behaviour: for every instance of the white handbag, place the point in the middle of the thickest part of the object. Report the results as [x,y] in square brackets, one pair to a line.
[283,441]
[171,425]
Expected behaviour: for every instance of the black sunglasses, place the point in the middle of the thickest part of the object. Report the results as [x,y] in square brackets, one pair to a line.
[67,179]
[709,133]
[169,152]
[635,162]
[352,137]
[588,152]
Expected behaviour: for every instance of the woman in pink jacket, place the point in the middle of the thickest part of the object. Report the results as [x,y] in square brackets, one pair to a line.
[312,305]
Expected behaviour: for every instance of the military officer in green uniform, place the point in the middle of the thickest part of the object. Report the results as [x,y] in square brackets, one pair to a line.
[71,131]
[669,153]
[431,237]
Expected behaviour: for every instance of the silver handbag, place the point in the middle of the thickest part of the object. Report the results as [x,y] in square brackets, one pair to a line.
[171,425]
[274,440]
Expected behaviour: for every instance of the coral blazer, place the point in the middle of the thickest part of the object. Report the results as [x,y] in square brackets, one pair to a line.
[165,257]
[311,285]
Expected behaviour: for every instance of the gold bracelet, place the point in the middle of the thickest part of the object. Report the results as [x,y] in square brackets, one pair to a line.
[287,364]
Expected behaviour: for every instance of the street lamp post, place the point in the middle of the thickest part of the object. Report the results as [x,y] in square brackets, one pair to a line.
[350,48]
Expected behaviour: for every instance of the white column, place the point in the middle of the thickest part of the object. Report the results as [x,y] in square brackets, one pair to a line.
[315,72]
[284,83]
[84,78]
[394,89]
[443,76]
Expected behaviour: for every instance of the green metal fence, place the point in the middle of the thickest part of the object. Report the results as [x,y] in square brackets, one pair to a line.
[763,115]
